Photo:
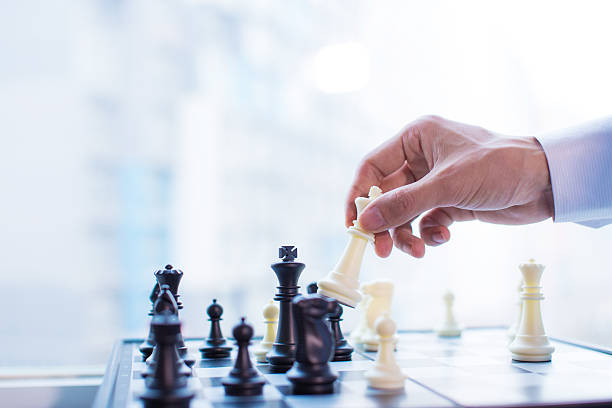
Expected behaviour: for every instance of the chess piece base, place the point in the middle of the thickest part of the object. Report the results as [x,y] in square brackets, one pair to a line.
[312,380]
[531,348]
[386,380]
[451,331]
[154,398]
[215,352]
[343,293]
[343,353]
[243,387]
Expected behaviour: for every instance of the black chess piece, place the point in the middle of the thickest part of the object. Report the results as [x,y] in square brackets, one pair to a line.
[146,348]
[342,349]
[214,346]
[165,304]
[282,355]
[311,373]
[243,379]
[172,277]
[166,387]
[312,288]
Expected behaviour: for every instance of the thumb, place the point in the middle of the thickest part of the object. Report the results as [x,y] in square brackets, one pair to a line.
[399,206]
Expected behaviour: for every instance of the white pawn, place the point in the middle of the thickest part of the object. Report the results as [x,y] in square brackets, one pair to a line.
[450,327]
[270,313]
[386,373]
[380,292]
[517,321]
[531,342]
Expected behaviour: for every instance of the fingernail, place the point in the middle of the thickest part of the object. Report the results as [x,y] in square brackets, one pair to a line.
[437,237]
[372,219]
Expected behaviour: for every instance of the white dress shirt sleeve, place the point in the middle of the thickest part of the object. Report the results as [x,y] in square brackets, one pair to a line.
[580,164]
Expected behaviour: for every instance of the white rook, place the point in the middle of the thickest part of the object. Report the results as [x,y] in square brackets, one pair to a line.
[342,283]
[531,342]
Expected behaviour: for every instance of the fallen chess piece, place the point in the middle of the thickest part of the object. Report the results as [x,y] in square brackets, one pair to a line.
[386,373]
[531,343]
[342,283]
[450,327]
[270,313]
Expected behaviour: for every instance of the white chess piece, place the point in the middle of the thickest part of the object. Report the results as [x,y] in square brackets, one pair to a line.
[450,327]
[342,283]
[531,342]
[356,336]
[381,293]
[386,373]
[270,313]
[517,321]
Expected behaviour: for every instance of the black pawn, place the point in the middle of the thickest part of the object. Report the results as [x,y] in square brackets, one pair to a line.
[311,373]
[342,350]
[166,387]
[214,346]
[282,355]
[243,380]
[146,348]
[165,304]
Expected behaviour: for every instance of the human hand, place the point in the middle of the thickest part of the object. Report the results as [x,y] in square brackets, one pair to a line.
[453,172]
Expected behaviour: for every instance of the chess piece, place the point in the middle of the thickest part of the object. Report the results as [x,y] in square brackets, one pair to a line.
[270,313]
[165,304]
[214,346]
[342,350]
[519,304]
[146,348]
[342,283]
[311,373]
[386,373]
[166,387]
[282,355]
[531,343]
[172,277]
[381,293]
[243,379]
[359,331]
[450,327]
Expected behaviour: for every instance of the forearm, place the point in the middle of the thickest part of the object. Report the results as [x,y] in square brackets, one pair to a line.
[580,165]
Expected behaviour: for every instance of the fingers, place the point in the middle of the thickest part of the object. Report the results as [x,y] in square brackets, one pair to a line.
[405,241]
[402,204]
[387,159]
[434,225]
[383,244]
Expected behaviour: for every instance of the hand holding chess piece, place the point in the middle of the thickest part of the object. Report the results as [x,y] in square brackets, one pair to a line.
[342,283]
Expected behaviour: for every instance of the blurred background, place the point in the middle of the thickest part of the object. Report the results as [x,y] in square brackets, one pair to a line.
[207,133]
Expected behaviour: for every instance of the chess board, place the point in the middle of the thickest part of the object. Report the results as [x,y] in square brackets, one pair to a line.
[474,370]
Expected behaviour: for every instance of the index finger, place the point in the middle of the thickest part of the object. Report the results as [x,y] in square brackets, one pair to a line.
[378,164]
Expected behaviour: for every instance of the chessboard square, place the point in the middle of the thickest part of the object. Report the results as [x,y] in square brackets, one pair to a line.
[357,375]
[351,365]
[212,371]
[412,395]
[467,361]
[211,381]
[434,372]
[211,363]
[419,362]
[251,404]
[277,379]
[340,399]
[496,369]
[442,353]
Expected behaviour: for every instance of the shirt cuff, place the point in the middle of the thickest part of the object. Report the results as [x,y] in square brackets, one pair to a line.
[580,165]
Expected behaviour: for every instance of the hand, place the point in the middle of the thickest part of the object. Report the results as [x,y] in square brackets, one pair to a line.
[453,172]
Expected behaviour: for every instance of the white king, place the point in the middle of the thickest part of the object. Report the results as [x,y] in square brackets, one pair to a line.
[531,342]
[342,283]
